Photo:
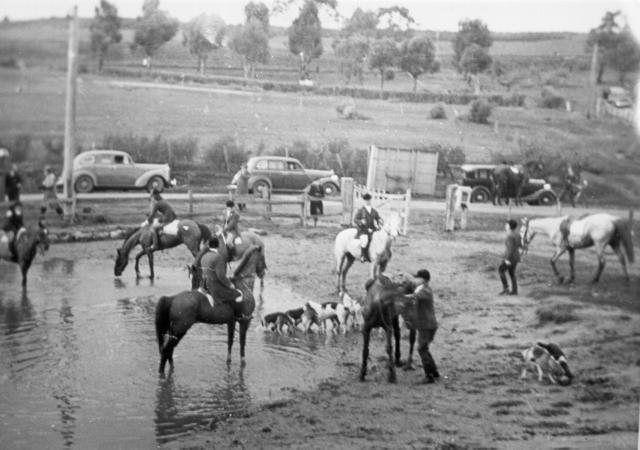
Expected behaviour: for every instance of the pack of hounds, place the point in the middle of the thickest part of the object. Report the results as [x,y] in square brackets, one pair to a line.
[545,358]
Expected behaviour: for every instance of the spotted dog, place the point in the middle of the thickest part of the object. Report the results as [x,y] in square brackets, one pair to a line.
[276,321]
[318,314]
[295,315]
[547,358]
[354,308]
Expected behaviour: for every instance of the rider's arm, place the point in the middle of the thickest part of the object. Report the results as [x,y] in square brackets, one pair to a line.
[221,273]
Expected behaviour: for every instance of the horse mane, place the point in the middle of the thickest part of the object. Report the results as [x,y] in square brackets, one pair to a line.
[245,260]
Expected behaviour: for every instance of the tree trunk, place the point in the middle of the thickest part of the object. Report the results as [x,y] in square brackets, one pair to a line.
[601,68]
[100,61]
[225,151]
[476,83]
[415,83]
[381,81]
[246,68]
[340,164]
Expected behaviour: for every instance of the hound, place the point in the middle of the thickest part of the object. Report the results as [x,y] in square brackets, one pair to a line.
[276,321]
[546,357]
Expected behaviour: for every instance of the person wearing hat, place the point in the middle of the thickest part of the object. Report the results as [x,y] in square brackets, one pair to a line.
[230,228]
[13,184]
[241,180]
[12,226]
[513,244]
[214,277]
[421,319]
[367,220]
[161,214]
[50,199]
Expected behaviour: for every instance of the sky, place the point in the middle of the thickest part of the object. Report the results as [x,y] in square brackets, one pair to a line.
[442,15]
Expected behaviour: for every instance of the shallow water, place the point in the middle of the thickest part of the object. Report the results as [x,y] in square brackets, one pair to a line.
[78,357]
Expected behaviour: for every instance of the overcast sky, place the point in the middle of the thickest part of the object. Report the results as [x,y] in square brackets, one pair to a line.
[514,15]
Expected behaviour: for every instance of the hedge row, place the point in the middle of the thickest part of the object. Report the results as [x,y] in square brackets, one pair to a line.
[349,91]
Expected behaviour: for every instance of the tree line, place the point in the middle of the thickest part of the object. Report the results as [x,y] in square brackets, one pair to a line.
[383,40]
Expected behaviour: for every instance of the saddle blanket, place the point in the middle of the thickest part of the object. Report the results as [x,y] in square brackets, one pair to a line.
[171,228]
[206,294]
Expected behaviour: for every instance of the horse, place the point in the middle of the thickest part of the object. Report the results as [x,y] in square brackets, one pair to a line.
[176,314]
[248,240]
[346,249]
[382,306]
[28,242]
[509,182]
[189,233]
[598,230]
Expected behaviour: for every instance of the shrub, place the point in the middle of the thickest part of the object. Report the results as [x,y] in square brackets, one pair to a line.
[389,75]
[268,86]
[480,111]
[552,98]
[226,154]
[438,112]
[155,149]
[18,149]
[559,313]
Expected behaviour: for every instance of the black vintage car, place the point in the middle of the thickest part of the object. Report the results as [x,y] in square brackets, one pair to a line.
[479,178]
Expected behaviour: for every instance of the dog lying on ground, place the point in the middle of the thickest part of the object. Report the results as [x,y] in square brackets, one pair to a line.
[276,321]
[547,358]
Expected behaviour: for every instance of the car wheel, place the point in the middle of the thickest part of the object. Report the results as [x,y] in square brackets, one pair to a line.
[330,189]
[260,188]
[83,184]
[547,199]
[155,183]
[480,195]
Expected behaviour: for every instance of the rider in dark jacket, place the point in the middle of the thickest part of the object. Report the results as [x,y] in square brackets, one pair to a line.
[12,225]
[161,214]
[367,220]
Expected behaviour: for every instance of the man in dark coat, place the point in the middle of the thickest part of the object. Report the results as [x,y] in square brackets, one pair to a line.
[315,191]
[230,228]
[420,317]
[513,244]
[214,277]
[13,184]
[161,214]
[367,220]
[12,225]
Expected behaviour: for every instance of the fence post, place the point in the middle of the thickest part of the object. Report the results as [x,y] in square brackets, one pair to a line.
[267,207]
[346,189]
[190,194]
[450,205]
[303,213]
[407,208]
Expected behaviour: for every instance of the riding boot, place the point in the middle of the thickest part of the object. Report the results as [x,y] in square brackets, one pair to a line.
[231,252]
[363,254]
[155,239]
[12,248]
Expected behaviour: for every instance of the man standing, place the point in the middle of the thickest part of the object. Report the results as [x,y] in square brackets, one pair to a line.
[161,214]
[513,244]
[215,281]
[420,317]
[230,228]
[367,220]
[50,199]
[13,184]
[241,180]
[315,191]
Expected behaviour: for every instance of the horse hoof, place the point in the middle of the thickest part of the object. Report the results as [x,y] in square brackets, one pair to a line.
[243,362]
[560,280]
[408,367]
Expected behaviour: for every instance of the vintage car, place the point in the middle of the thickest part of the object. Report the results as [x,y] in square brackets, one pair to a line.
[282,174]
[618,97]
[479,178]
[114,169]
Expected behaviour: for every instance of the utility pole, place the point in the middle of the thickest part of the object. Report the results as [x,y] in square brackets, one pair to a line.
[70,115]
[593,80]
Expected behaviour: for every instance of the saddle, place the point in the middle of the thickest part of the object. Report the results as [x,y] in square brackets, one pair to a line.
[212,300]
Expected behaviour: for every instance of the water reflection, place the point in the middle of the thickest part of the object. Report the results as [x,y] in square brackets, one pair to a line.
[181,410]
[66,266]
[15,313]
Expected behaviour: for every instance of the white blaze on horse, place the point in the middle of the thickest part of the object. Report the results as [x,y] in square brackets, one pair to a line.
[347,248]
[597,230]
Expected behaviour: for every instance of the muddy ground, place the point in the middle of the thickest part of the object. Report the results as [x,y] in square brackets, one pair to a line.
[479,402]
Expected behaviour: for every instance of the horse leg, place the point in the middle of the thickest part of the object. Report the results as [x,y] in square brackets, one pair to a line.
[347,262]
[412,342]
[392,367]
[366,335]
[622,259]
[395,324]
[601,263]
[244,326]
[24,268]
[572,260]
[150,258]
[137,266]
[231,330]
[554,258]
[166,350]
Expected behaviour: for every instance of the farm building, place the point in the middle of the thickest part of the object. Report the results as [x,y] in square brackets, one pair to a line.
[395,170]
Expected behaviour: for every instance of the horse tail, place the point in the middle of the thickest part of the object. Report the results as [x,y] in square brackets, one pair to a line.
[623,229]
[205,234]
[163,319]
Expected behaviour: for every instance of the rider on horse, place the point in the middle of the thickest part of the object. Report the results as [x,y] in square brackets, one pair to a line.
[12,226]
[161,214]
[230,229]
[214,277]
[367,220]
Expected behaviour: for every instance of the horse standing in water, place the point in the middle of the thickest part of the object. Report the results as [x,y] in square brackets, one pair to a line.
[189,233]
[597,230]
[177,313]
[27,244]
[346,249]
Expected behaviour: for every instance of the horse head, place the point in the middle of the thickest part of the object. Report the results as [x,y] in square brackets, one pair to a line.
[195,274]
[122,259]
[393,225]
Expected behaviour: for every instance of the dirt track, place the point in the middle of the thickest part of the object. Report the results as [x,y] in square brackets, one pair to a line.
[480,401]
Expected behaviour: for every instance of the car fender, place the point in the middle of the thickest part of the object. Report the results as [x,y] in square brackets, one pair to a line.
[143,179]
[533,197]
[78,173]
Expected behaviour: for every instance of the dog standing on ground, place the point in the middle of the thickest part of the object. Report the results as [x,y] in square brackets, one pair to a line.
[276,321]
[546,358]
[295,315]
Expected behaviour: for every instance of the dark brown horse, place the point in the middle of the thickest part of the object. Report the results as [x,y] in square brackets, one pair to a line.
[177,313]
[384,302]
[190,233]
[509,182]
[27,245]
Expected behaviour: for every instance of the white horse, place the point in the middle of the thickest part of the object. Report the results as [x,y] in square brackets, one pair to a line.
[347,249]
[598,230]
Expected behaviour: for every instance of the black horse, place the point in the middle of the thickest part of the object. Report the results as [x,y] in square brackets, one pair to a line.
[177,313]
[27,244]
[509,182]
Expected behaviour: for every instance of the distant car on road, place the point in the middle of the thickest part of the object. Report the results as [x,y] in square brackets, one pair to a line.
[282,174]
[618,97]
[479,178]
[115,169]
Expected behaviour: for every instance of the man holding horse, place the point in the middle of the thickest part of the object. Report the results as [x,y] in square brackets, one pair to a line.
[12,226]
[161,214]
[513,244]
[230,228]
[367,220]
[420,317]
[214,277]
